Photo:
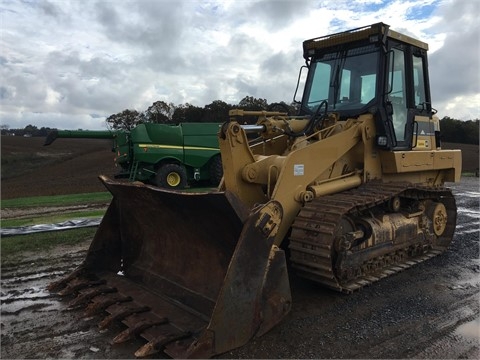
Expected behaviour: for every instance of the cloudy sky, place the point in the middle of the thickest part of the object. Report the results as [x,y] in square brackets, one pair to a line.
[70,64]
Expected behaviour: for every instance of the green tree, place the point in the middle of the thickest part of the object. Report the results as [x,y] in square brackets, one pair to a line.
[4,129]
[471,131]
[217,111]
[30,130]
[448,129]
[253,104]
[188,113]
[160,112]
[125,120]
[282,106]
[42,132]
[458,131]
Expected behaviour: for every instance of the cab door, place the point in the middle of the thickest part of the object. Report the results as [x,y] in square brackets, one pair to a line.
[408,96]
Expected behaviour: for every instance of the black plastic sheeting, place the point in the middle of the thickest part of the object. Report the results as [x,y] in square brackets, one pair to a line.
[69,224]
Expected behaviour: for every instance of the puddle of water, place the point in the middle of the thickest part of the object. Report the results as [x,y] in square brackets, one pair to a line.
[470,330]
[24,278]
[471,231]
[470,194]
[469,212]
[32,293]
[29,305]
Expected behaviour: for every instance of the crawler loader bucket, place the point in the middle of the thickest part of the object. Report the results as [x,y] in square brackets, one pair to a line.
[191,273]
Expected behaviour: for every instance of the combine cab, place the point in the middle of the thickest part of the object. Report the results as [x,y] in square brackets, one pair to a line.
[351,188]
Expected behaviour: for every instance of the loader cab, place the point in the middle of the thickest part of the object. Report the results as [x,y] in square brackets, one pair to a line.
[370,70]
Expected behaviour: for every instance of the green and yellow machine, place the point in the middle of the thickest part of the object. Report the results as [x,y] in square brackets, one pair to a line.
[345,193]
[169,156]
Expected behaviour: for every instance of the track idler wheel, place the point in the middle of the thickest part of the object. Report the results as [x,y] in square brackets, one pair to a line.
[438,214]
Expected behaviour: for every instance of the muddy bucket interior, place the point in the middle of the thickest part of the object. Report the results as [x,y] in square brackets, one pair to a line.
[183,270]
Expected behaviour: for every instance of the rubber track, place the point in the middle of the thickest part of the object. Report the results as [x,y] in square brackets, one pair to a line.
[314,229]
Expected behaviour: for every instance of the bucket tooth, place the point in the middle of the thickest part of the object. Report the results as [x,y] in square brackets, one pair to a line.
[85,296]
[101,302]
[139,326]
[78,284]
[60,284]
[120,312]
[156,345]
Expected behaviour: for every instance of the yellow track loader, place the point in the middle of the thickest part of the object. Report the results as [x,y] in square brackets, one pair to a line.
[346,192]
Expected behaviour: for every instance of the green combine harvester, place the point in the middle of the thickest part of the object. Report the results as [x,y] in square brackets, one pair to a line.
[168,156]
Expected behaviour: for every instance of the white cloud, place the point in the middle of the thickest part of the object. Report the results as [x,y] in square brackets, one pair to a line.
[62,61]
[455,66]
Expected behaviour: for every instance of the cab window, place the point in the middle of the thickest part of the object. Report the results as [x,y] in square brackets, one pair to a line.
[397,94]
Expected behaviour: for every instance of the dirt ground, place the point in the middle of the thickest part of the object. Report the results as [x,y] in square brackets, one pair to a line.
[67,166]
[73,165]
[429,311]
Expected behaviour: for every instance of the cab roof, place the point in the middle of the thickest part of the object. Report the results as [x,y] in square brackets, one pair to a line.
[373,33]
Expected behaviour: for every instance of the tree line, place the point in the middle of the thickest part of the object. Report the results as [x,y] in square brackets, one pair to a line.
[452,130]
[457,131]
[161,112]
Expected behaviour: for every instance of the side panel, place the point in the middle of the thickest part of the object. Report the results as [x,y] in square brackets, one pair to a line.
[161,133]
[399,162]
[191,143]
[424,137]
[153,142]
[200,143]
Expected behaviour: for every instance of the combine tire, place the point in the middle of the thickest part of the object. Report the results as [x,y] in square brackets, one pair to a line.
[171,176]
[216,170]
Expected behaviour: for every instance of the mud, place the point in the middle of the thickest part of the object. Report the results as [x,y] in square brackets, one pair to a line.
[38,324]
[428,311]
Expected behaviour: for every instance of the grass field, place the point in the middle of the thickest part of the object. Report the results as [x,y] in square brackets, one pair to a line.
[13,247]
[57,200]
[51,219]
[95,204]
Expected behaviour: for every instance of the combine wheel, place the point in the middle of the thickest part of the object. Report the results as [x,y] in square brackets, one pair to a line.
[216,170]
[171,176]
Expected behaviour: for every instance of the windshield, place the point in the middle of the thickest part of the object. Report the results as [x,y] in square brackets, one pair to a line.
[346,79]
